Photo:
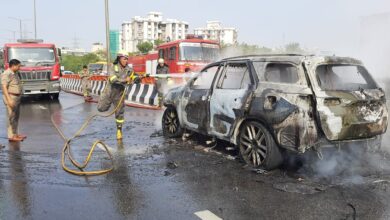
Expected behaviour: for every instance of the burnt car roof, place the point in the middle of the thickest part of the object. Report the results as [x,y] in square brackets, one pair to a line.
[294,58]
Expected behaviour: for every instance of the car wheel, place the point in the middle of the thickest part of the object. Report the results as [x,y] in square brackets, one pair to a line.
[258,148]
[170,123]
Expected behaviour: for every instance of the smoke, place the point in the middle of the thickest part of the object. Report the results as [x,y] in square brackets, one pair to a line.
[352,164]
[375,46]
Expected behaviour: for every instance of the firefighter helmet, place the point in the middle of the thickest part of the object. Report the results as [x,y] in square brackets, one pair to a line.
[122,53]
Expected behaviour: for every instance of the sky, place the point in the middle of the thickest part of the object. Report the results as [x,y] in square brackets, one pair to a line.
[331,25]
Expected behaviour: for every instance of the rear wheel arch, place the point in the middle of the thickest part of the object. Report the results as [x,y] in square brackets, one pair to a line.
[242,122]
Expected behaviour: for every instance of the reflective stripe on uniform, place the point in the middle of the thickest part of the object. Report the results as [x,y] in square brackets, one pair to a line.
[116,69]
[132,76]
[113,78]
[120,121]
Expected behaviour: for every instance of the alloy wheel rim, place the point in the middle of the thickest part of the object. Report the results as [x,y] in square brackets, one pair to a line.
[254,145]
[171,121]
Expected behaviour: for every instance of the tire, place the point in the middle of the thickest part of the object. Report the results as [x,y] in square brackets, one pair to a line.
[258,148]
[55,96]
[170,123]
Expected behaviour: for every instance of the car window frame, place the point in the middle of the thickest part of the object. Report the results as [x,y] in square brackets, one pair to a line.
[223,71]
[219,65]
[302,79]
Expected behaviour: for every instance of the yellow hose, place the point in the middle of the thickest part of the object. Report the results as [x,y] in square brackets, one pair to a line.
[66,148]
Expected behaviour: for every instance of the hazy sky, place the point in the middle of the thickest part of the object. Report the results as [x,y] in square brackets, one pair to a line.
[329,25]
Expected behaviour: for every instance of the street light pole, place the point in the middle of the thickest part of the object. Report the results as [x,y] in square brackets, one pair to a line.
[35,21]
[20,28]
[20,25]
[14,34]
[107,35]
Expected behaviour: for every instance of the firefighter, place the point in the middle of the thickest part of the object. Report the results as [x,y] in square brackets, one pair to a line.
[162,68]
[12,91]
[85,83]
[121,76]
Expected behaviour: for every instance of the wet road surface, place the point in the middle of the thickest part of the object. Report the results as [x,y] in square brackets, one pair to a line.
[158,178]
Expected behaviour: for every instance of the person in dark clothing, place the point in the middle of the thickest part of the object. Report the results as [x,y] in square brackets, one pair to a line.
[162,68]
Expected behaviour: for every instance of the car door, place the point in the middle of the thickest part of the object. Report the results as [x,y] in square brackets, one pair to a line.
[235,83]
[284,102]
[195,101]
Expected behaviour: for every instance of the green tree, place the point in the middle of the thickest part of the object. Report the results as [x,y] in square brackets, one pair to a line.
[76,63]
[145,47]
[158,42]
[102,54]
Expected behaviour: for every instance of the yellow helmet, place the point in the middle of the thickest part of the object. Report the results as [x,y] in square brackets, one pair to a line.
[122,53]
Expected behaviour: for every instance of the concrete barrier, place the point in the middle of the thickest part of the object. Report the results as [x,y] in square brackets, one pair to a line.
[138,95]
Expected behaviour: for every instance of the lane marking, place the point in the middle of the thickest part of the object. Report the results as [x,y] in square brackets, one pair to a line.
[42,107]
[207,215]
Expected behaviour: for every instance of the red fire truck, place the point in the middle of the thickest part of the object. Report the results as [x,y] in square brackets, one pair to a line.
[40,71]
[190,54]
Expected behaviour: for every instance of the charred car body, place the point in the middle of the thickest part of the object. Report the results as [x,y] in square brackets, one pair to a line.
[266,103]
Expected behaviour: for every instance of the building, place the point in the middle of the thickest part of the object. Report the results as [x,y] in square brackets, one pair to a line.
[115,42]
[73,51]
[215,31]
[96,47]
[151,28]
[375,44]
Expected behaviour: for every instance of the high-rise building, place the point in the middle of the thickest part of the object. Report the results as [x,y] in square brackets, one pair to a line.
[115,42]
[215,31]
[151,28]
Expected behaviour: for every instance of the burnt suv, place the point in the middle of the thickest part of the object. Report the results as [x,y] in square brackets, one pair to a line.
[267,103]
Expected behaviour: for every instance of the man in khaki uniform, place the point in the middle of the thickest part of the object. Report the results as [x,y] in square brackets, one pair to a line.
[12,91]
[85,83]
[117,81]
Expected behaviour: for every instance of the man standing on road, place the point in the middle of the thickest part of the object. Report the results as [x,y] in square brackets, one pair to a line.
[117,81]
[162,68]
[12,91]
[85,83]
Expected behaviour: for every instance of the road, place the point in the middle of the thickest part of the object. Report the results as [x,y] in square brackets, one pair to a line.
[158,178]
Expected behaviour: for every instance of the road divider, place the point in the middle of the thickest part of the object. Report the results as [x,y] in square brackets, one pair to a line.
[143,95]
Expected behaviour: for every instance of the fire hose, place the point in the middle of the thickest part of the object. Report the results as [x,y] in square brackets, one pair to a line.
[66,150]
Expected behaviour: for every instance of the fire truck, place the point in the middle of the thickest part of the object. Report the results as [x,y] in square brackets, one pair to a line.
[186,55]
[40,71]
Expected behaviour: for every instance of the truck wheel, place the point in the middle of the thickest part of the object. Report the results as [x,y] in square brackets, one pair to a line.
[170,123]
[258,148]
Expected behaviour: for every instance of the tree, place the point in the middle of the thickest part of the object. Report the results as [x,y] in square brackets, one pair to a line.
[102,54]
[75,63]
[243,49]
[158,42]
[293,48]
[145,47]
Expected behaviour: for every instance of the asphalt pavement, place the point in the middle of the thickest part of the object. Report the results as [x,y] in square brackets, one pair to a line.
[158,178]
